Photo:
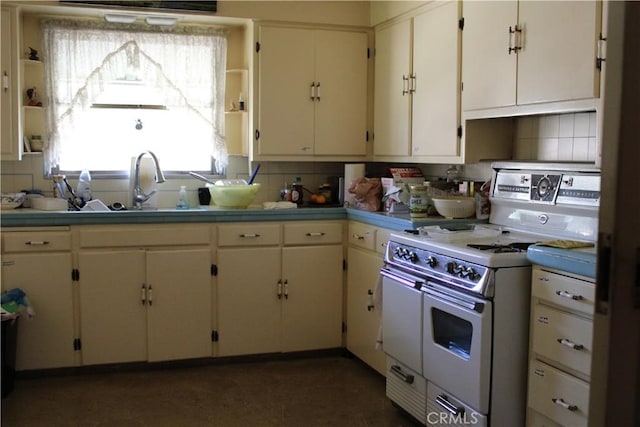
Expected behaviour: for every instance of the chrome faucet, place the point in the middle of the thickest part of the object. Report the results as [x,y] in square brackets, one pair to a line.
[138,195]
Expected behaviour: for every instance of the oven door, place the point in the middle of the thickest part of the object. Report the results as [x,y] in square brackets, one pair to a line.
[402,317]
[457,344]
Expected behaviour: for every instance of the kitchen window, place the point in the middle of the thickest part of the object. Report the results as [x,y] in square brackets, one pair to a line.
[114,91]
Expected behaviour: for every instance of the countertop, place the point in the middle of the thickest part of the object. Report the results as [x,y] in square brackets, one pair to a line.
[578,261]
[25,217]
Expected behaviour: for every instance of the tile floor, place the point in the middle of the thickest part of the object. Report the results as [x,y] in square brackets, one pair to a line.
[311,391]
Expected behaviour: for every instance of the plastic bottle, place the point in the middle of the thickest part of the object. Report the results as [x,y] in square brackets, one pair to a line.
[83,190]
[182,198]
[297,192]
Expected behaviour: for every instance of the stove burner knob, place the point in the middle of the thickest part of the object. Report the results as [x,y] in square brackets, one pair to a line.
[472,274]
[432,261]
[453,268]
[411,256]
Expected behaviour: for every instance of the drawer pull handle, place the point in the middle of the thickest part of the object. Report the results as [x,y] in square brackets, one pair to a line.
[358,236]
[315,234]
[249,235]
[37,242]
[564,404]
[569,295]
[397,370]
[443,401]
[570,344]
[370,304]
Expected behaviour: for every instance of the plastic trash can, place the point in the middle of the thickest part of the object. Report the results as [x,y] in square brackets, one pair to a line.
[9,339]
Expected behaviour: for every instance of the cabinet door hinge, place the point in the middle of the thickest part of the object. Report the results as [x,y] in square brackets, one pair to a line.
[75,275]
[257,46]
[367,136]
[344,327]
[459,131]
[368,53]
[257,134]
[77,344]
[214,270]
[461,23]
[214,336]
[344,265]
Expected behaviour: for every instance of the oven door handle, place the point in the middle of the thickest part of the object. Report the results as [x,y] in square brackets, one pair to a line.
[397,371]
[443,401]
[476,306]
[405,280]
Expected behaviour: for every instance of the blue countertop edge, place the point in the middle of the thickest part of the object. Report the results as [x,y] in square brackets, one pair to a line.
[577,261]
[37,218]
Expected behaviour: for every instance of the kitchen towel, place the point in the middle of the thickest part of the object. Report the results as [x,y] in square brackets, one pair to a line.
[352,171]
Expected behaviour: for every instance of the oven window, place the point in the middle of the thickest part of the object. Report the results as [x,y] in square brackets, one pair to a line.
[452,333]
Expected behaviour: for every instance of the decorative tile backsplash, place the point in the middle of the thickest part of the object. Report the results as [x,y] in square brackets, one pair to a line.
[561,137]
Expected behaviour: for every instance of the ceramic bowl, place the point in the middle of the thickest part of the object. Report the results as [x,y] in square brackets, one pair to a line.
[455,206]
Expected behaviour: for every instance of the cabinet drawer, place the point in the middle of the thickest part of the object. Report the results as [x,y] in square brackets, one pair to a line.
[382,238]
[312,233]
[362,235]
[563,337]
[36,241]
[407,388]
[561,397]
[143,236]
[436,397]
[249,234]
[565,291]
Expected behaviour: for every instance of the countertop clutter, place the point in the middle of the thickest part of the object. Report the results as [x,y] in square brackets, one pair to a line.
[36,218]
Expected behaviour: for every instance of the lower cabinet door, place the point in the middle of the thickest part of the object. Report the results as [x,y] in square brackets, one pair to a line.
[46,340]
[363,318]
[113,327]
[179,304]
[248,300]
[312,303]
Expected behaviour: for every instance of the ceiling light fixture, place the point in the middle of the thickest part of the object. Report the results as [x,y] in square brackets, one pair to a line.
[120,19]
[161,20]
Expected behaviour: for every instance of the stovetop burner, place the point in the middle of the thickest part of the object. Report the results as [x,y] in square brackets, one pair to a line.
[501,249]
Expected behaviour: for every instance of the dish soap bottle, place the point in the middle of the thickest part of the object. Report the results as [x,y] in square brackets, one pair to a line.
[182,198]
[83,190]
[296,192]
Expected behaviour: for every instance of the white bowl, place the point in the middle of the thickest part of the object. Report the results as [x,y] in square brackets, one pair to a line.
[12,200]
[455,206]
[233,196]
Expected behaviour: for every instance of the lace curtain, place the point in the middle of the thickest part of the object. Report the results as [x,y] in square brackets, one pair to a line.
[184,65]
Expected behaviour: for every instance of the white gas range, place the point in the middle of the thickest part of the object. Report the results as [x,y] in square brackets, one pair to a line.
[456,302]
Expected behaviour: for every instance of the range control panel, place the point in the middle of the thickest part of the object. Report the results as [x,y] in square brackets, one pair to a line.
[552,187]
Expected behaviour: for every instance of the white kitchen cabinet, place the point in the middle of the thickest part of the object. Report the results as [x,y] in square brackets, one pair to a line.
[417,86]
[10,116]
[39,263]
[529,52]
[145,293]
[562,308]
[291,297]
[312,93]
[364,260]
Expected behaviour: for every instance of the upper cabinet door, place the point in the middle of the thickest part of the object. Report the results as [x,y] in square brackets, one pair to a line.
[392,120]
[557,61]
[286,74]
[489,69]
[341,105]
[436,74]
